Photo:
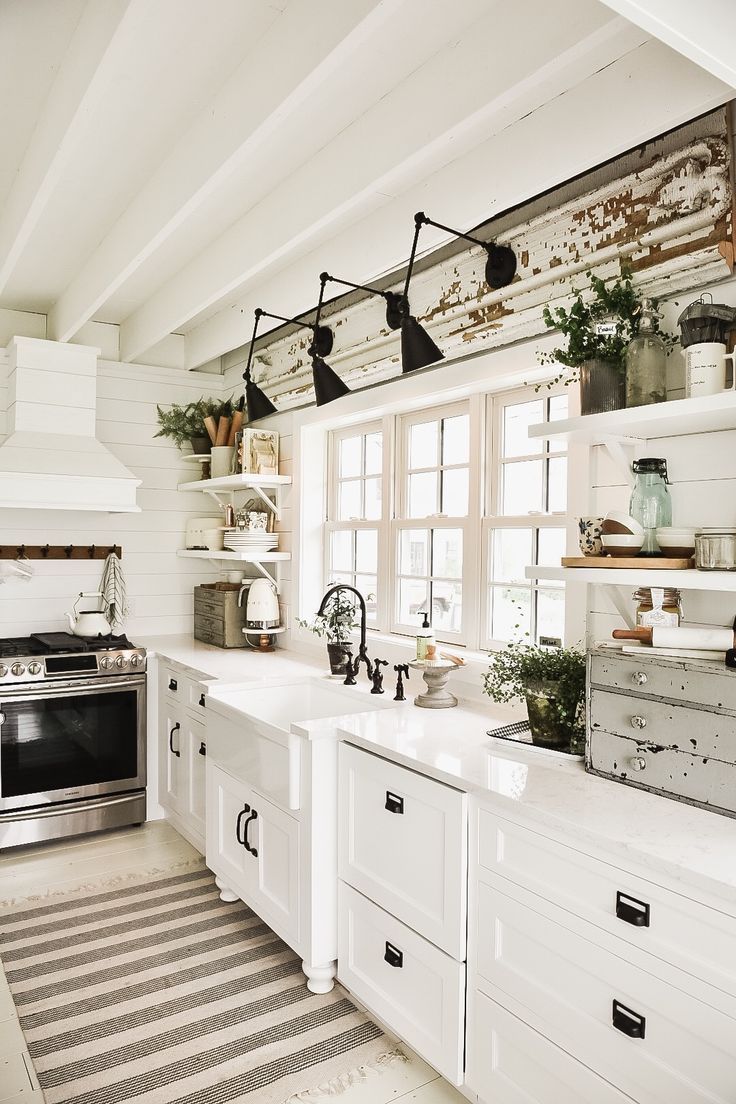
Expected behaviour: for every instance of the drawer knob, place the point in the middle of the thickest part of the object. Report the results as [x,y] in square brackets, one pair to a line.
[393,956]
[631,910]
[638,722]
[172,684]
[639,678]
[627,1021]
[638,763]
[394,803]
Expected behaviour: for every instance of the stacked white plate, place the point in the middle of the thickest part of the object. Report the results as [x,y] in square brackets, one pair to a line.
[250,540]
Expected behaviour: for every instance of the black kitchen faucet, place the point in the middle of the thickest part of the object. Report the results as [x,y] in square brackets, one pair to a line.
[362,656]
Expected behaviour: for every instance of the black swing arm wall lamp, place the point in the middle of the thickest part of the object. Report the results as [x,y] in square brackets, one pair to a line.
[394,300]
[501,260]
[259,404]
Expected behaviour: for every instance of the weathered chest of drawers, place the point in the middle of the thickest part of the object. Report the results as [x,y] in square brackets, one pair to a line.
[218,619]
[664,725]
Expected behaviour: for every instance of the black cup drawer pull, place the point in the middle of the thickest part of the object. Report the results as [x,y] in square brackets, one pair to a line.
[393,956]
[631,910]
[394,803]
[203,748]
[627,1021]
[201,700]
[173,684]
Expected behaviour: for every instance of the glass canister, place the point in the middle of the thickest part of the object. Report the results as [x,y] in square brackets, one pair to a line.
[646,361]
[651,504]
[715,550]
[658,606]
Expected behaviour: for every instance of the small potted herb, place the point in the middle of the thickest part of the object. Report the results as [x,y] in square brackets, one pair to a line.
[336,624]
[552,682]
[598,328]
[184,425]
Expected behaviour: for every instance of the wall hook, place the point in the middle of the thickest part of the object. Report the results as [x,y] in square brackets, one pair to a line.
[45,551]
[22,552]
[91,551]
[68,551]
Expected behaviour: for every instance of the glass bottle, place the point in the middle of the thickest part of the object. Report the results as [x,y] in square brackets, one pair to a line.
[651,504]
[646,361]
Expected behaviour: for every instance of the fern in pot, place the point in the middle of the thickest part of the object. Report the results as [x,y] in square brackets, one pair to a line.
[599,327]
[184,425]
[552,682]
[336,625]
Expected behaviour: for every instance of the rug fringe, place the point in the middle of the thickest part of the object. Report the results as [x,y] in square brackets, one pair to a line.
[338,1085]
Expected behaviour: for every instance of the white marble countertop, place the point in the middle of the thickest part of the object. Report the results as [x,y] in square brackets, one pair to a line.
[694,847]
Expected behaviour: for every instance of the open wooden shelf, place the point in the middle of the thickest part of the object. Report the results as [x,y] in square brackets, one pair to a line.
[240,557]
[676,418]
[238,483]
[691,579]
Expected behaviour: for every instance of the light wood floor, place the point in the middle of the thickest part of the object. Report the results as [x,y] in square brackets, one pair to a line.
[31,872]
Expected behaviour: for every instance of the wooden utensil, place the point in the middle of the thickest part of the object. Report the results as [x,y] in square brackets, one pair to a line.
[235,424]
[211,426]
[223,431]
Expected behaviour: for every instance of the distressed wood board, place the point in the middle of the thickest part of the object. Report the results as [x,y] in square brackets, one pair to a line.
[660,563]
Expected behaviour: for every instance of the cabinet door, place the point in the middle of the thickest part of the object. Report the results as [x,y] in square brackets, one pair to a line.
[225,816]
[275,835]
[172,760]
[196,752]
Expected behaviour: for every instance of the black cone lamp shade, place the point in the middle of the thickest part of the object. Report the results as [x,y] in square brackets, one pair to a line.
[327,384]
[418,350]
[258,403]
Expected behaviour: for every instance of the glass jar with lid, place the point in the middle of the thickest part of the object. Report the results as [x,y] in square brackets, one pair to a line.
[658,606]
[651,504]
[715,550]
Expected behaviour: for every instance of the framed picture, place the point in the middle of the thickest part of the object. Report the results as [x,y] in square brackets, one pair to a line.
[260,449]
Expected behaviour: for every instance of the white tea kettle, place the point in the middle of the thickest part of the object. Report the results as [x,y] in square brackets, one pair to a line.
[262,607]
[89,622]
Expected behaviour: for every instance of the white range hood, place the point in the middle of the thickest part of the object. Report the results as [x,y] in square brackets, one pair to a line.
[51,458]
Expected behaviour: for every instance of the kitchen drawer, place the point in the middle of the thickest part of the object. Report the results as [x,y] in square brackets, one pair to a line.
[403,843]
[196,697]
[645,676]
[652,1040]
[414,988]
[687,776]
[691,936]
[674,727]
[172,683]
[510,1063]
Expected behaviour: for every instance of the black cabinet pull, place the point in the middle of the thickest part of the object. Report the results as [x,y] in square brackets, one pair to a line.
[627,1021]
[631,910]
[394,803]
[201,700]
[253,816]
[173,685]
[393,956]
[241,814]
[175,751]
[203,748]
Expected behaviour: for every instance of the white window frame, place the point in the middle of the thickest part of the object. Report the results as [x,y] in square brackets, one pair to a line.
[469,525]
[332,524]
[493,519]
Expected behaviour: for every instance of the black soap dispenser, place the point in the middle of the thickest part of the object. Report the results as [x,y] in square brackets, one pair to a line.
[425,637]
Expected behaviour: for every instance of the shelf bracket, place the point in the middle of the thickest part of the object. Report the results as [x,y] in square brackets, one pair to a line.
[623,605]
[216,495]
[620,449]
[268,502]
[265,573]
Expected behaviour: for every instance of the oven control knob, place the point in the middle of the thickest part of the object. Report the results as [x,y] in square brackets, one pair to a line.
[35,668]
[18,669]
[136,660]
[121,662]
[3,670]
[105,663]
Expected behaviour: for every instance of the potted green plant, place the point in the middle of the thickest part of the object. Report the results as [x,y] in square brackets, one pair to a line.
[599,326]
[552,682]
[336,624]
[184,425]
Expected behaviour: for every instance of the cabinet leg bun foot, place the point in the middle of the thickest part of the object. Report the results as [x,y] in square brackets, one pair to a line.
[320,979]
[227,894]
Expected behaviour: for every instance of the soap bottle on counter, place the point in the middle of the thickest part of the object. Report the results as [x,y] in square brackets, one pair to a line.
[425,637]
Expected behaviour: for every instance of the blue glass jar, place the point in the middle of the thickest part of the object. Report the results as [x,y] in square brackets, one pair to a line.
[651,504]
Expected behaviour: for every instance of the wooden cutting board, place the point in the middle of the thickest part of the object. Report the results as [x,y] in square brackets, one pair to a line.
[643,563]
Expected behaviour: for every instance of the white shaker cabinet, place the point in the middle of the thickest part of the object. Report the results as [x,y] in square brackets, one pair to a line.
[182,750]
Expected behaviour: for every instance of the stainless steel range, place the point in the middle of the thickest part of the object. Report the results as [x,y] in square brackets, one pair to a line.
[72,736]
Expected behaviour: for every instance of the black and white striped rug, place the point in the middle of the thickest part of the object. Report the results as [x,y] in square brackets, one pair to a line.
[159,992]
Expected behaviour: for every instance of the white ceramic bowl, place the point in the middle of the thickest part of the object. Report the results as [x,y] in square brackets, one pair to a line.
[676,542]
[625,521]
[622,544]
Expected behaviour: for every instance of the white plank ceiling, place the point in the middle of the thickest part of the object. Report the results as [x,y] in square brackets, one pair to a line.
[168,165]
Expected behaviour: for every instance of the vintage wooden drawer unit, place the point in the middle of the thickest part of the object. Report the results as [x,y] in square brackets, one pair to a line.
[664,725]
[218,619]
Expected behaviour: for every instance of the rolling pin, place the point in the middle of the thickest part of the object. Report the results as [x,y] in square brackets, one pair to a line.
[223,430]
[211,426]
[235,425]
[683,636]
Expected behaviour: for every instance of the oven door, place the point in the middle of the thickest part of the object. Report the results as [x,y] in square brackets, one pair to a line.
[72,741]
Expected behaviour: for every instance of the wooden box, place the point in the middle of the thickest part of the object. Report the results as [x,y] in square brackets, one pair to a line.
[217,617]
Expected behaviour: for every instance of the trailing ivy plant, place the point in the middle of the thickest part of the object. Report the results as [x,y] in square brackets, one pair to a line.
[618,304]
[521,667]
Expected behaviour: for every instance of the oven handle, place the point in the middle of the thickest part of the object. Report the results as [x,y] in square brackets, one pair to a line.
[73,691]
[63,809]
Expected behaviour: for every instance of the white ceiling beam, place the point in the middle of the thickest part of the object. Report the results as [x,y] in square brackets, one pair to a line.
[618,107]
[300,51]
[339,185]
[704,32]
[83,73]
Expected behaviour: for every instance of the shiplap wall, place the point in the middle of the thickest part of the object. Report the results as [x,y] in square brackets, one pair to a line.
[702,469]
[160,584]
